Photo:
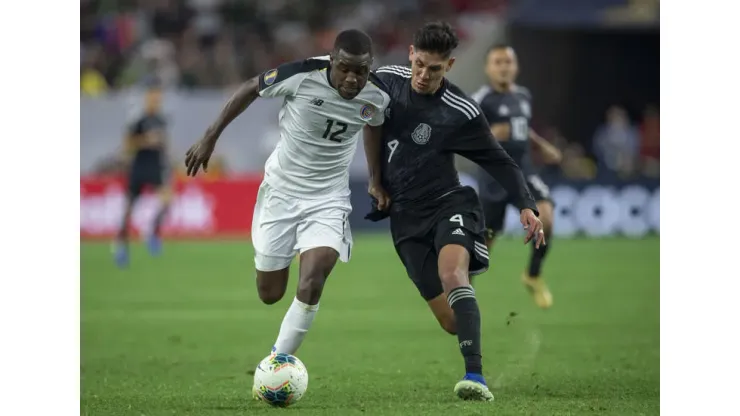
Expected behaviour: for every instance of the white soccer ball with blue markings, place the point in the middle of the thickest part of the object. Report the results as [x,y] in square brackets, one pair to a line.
[280,380]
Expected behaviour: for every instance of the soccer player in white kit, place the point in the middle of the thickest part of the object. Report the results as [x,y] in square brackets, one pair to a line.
[303,203]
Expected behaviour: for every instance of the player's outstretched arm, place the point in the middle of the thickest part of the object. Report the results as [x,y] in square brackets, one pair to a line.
[373,141]
[200,153]
[476,143]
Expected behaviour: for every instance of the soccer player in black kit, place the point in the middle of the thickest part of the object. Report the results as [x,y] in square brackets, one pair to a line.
[507,108]
[146,139]
[437,225]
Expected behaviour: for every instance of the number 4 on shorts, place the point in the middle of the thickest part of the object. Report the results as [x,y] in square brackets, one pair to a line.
[458,219]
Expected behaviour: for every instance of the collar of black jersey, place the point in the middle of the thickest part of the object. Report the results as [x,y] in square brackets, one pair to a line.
[438,94]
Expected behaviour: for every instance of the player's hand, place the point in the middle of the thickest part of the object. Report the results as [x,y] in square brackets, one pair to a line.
[198,155]
[533,225]
[379,193]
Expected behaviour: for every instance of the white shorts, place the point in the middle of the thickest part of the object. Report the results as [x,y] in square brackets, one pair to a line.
[283,226]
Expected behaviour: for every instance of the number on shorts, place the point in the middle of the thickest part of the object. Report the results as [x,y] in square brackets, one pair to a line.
[458,219]
[519,128]
[393,144]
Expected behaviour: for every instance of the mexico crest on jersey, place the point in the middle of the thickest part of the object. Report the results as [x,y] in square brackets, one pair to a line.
[421,134]
[367,112]
[270,76]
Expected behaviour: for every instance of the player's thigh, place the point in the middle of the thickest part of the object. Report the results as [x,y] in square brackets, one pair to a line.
[325,224]
[161,181]
[274,226]
[136,184]
[465,232]
[546,209]
[420,260]
[494,212]
[541,194]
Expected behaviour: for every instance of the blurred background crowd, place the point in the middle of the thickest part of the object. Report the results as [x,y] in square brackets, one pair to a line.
[196,46]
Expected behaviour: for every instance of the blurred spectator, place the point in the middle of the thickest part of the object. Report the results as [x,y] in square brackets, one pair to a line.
[616,144]
[211,43]
[575,163]
[92,81]
[650,142]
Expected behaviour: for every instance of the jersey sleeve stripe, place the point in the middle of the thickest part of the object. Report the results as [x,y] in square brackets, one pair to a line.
[458,107]
[463,102]
[388,70]
[400,68]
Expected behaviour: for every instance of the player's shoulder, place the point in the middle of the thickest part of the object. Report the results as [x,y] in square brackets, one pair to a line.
[376,91]
[521,91]
[289,70]
[391,74]
[481,93]
[460,103]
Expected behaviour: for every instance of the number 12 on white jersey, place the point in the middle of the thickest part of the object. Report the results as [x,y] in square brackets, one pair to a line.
[392,145]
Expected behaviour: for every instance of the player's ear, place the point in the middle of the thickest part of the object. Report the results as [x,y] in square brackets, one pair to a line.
[450,62]
[411,53]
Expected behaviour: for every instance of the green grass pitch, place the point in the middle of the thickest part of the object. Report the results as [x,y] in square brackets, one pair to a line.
[179,334]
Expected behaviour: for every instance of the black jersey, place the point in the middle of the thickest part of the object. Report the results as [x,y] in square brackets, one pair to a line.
[422,133]
[513,107]
[149,124]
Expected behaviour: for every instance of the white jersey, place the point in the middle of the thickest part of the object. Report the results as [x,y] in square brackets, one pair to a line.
[319,129]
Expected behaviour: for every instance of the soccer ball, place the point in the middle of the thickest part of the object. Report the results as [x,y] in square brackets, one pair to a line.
[280,380]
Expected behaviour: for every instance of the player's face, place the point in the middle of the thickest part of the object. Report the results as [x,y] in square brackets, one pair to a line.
[428,69]
[501,66]
[349,73]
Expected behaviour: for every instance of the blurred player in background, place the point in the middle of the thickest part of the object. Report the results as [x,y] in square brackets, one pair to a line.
[303,203]
[436,223]
[145,146]
[508,109]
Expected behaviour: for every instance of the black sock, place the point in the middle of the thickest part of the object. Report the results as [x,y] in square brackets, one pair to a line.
[467,316]
[159,219]
[538,256]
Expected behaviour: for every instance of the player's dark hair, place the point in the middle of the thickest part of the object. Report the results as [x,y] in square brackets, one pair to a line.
[436,37]
[353,41]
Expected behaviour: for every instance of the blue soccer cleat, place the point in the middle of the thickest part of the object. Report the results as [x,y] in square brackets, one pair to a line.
[473,387]
[154,243]
[120,254]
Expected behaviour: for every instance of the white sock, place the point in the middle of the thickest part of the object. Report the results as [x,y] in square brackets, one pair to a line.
[295,325]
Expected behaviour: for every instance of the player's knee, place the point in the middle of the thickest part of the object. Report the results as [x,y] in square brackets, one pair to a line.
[453,277]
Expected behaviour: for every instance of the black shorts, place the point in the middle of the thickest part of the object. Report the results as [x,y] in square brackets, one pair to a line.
[419,237]
[143,176]
[494,209]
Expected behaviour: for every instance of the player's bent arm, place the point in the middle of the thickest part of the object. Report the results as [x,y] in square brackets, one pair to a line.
[244,96]
[373,142]
[551,153]
[476,144]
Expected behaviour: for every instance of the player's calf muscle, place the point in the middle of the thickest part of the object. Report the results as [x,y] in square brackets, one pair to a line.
[316,264]
[271,285]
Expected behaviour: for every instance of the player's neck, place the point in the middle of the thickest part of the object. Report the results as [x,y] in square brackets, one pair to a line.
[502,87]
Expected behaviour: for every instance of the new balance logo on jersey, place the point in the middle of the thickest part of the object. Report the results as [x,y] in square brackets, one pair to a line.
[317,102]
[458,232]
